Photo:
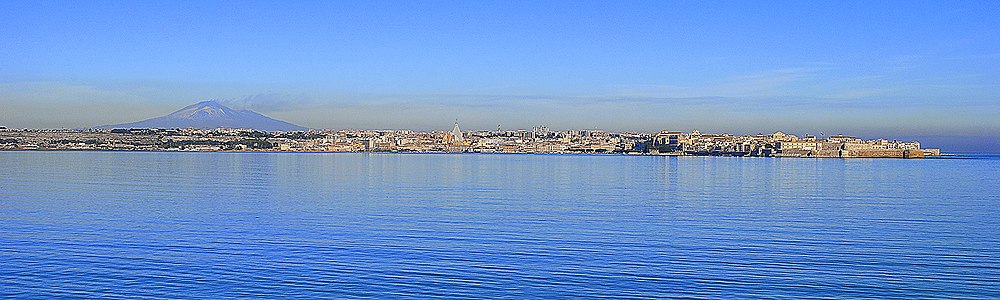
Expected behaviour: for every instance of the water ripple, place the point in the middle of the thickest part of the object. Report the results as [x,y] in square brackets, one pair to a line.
[223,225]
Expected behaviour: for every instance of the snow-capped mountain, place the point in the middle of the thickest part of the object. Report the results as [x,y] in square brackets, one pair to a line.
[211,114]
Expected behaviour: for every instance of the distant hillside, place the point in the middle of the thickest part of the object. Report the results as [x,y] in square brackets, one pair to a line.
[210,115]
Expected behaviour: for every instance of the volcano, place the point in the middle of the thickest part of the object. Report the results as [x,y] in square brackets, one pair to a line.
[210,115]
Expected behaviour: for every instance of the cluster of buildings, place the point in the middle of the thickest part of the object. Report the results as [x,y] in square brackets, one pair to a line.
[539,139]
[780,144]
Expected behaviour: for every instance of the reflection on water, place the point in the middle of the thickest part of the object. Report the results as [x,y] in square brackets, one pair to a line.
[182,225]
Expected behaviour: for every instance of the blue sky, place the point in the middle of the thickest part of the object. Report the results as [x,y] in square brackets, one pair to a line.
[908,69]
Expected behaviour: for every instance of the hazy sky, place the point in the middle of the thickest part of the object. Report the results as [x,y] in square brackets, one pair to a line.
[907,69]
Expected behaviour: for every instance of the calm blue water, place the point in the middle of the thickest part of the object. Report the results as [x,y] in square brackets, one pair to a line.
[221,225]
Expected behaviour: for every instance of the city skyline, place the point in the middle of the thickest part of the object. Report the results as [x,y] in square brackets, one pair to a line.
[918,71]
[538,140]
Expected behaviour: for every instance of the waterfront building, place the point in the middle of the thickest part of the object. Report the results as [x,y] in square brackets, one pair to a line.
[667,141]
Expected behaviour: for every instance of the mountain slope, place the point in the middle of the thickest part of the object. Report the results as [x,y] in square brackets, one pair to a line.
[209,115]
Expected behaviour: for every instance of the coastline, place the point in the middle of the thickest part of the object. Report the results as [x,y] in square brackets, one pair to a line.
[538,141]
[941,156]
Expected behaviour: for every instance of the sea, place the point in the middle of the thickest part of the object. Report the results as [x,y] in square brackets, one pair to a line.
[161,225]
